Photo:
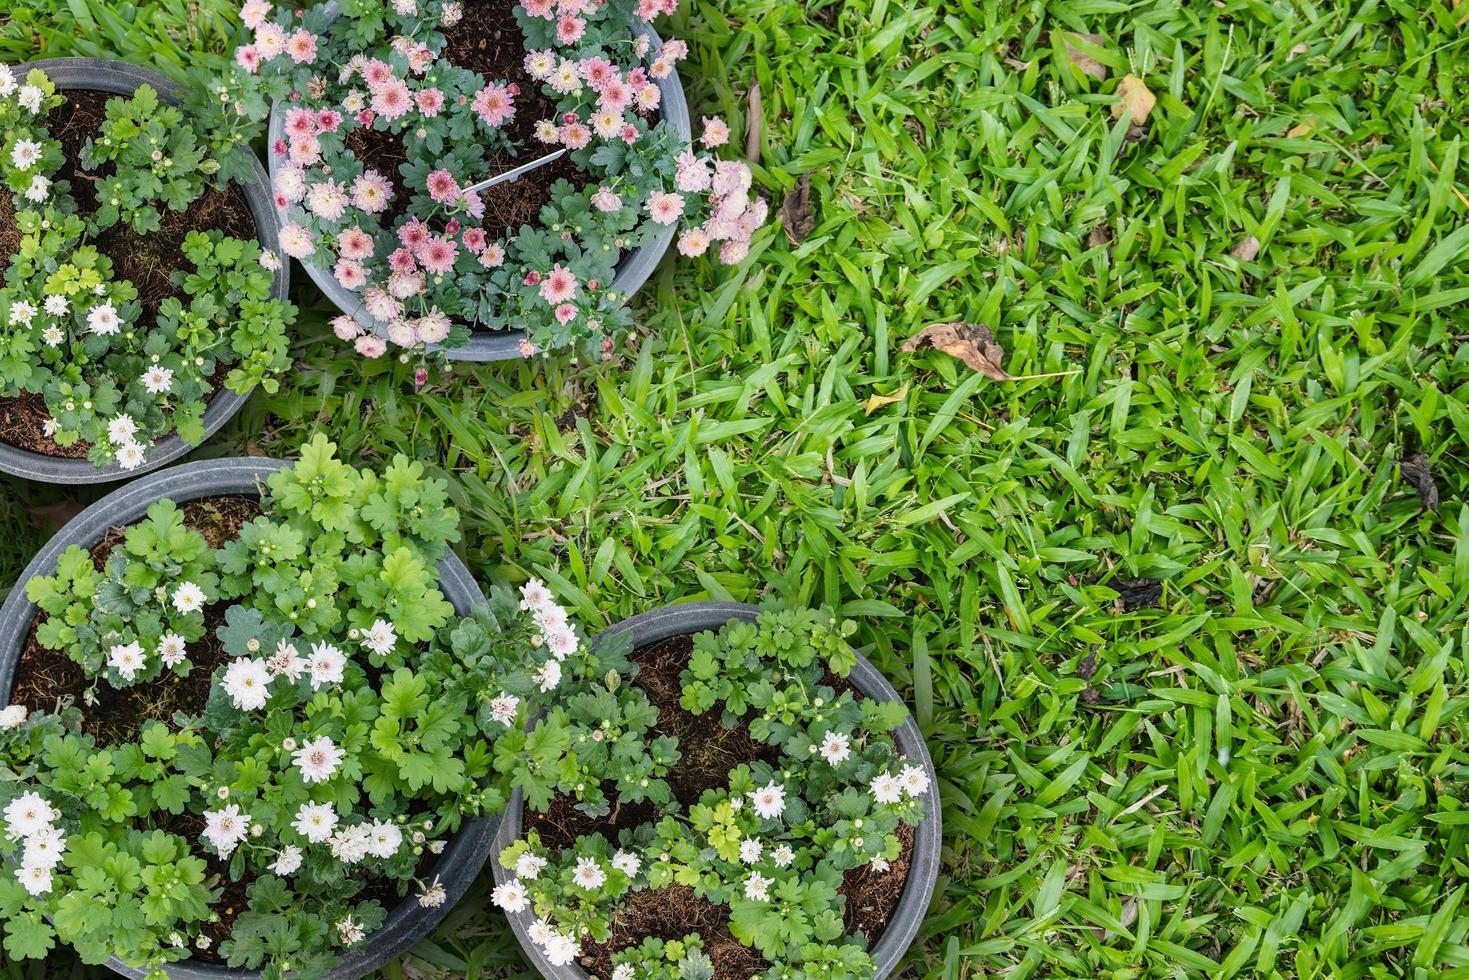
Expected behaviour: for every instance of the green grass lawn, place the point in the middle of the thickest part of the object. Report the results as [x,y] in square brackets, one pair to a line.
[1262,775]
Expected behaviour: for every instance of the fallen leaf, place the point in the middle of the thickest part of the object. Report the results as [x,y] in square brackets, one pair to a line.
[1087,669]
[1086,62]
[971,343]
[1134,98]
[1100,235]
[1303,47]
[1415,470]
[754,124]
[878,401]
[1303,127]
[53,517]
[1247,249]
[1136,593]
[795,211]
[255,449]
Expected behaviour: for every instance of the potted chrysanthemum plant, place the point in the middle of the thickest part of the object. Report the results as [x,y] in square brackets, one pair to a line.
[143,296]
[255,721]
[390,117]
[729,792]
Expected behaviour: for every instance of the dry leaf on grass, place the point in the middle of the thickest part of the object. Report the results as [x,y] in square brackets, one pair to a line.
[1416,471]
[878,401]
[1247,249]
[1135,98]
[971,343]
[754,124]
[1100,235]
[795,211]
[1086,62]
[1303,127]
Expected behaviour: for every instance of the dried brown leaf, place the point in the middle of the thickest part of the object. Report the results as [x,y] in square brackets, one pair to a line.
[972,343]
[1086,62]
[1100,235]
[878,401]
[1303,127]
[754,124]
[1247,249]
[53,517]
[1134,98]
[795,211]
[1415,470]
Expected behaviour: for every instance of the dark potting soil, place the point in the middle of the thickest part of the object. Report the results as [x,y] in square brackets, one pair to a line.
[44,679]
[708,752]
[489,42]
[147,261]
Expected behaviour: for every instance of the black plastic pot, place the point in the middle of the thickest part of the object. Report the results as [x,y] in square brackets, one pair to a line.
[483,345]
[696,617]
[465,853]
[123,79]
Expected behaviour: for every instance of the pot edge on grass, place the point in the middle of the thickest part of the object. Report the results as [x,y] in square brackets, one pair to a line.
[695,617]
[466,851]
[633,271]
[120,78]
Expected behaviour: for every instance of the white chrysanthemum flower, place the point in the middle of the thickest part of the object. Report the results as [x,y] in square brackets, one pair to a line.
[433,896]
[318,759]
[130,455]
[44,849]
[535,595]
[769,801]
[540,932]
[27,814]
[627,863]
[25,153]
[127,659]
[384,839]
[529,866]
[22,312]
[53,336]
[39,190]
[549,675]
[7,81]
[13,716]
[326,665]
[623,971]
[57,305]
[188,598]
[102,319]
[836,748]
[757,887]
[37,881]
[122,429]
[561,643]
[886,789]
[914,780]
[880,864]
[561,950]
[751,850]
[30,98]
[510,896]
[350,932]
[504,708]
[351,844]
[783,856]
[287,862]
[172,649]
[380,637]
[286,662]
[247,682]
[588,874]
[158,380]
[315,822]
[225,828]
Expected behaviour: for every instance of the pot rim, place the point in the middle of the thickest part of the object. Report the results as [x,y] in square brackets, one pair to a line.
[694,617]
[121,78]
[467,850]
[633,271]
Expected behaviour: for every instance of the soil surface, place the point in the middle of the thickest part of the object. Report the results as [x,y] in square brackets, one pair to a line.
[148,262]
[708,752]
[486,41]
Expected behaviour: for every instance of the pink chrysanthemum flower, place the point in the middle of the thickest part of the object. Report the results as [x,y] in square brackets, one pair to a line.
[377,73]
[733,253]
[692,175]
[327,120]
[716,132]
[565,313]
[402,260]
[380,304]
[346,328]
[438,255]
[404,286]
[354,243]
[371,192]
[430,101]
[306,151]
[559,285]
[434,327]
[369,346]
[493,256]
[247,56]
[665,208]
[545,9]
[615,96]
[575,136]
[597,72]
[629,134]
[301,46]
[494,105]
[414,234]
[474,239]
[327,200]
[693,243]
[350,274]
[393,100]
[442,186]
[300,123]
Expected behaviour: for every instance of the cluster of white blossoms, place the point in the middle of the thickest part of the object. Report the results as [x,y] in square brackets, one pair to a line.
[247,681]
[24,153]
[32,821]
[589,874]
[912,781]
[130,659]
[555,631]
